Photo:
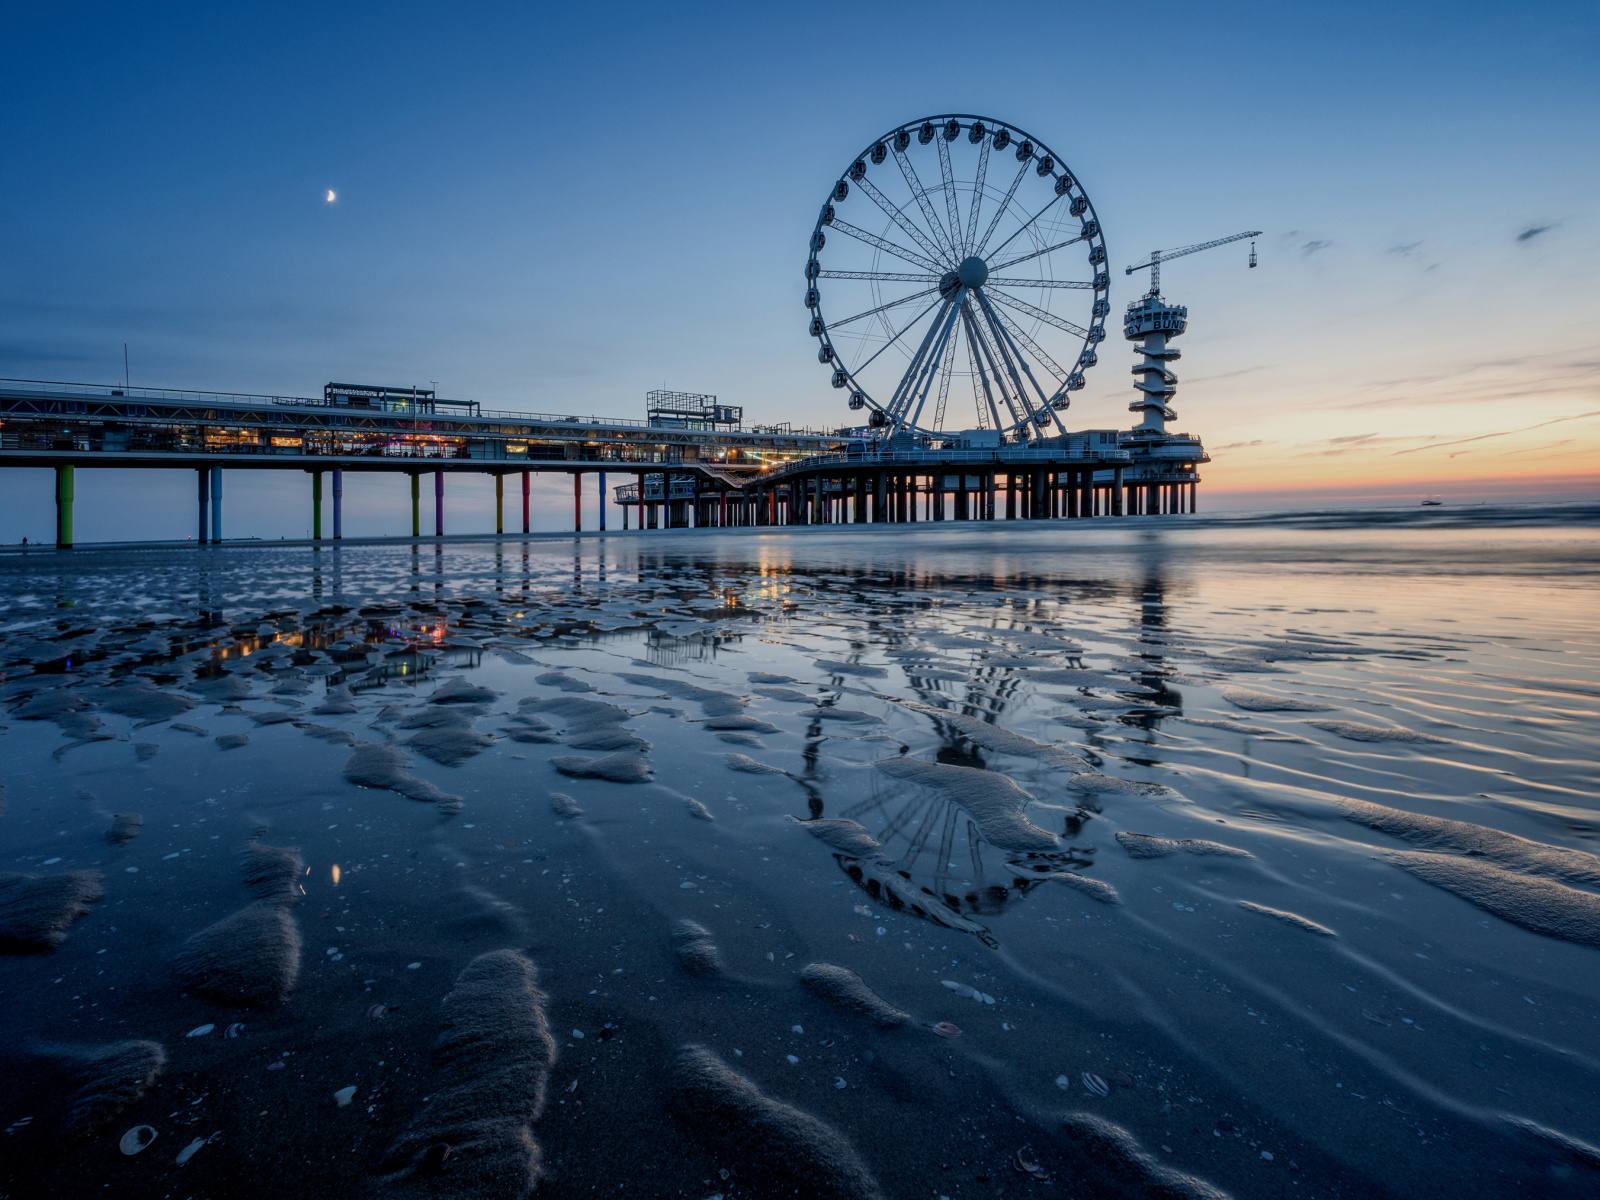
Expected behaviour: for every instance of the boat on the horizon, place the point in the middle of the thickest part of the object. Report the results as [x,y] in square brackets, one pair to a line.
[1431,502]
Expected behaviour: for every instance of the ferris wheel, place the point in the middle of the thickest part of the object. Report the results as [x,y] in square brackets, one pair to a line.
[957,277]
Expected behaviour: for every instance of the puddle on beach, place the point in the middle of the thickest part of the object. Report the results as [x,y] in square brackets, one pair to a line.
[1252,858]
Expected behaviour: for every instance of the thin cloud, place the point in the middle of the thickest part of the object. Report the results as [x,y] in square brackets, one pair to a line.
[1482,437]
[1533,231]
[1240,445]
[1314,245]
[1406,250]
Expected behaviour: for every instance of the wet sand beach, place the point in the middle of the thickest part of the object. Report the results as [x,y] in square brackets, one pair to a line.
[1252,857]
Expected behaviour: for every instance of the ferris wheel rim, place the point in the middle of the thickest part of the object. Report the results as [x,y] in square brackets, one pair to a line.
[942,267]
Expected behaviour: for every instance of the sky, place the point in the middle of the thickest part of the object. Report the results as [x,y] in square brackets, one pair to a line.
[556,208]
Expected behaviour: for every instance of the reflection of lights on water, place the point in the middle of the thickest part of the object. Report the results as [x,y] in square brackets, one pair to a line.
[335,874]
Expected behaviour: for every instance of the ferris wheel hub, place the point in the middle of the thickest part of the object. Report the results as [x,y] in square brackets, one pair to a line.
[973,272]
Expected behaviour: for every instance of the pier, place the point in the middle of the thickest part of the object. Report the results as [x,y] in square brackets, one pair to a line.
[687,465]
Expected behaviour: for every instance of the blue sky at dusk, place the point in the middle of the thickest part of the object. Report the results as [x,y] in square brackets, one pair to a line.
[557,208]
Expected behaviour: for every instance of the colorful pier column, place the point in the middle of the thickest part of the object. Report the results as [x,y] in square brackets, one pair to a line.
[316,506]
[416,503]
[577,501]
[338,503]
[438,504]
[603,501]
[64,490]
[216,504]
[205,504]
[525,502]
[499,503]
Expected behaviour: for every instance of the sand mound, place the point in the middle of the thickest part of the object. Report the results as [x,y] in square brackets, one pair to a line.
[1003,741]
[844,836]
[695,948]
[624,767]
[271,872]
[564,805]
[843,987]
[1355,731]
[1289,918]
[36,910]
[251,957]
[789,1150]
[459,691]
[1542,905]
[491,1063]
[993,801]
[124,828]
[1110,1150]
[103,1080]
[1267,702]
[1477,841]
[1143,845]
[388,768]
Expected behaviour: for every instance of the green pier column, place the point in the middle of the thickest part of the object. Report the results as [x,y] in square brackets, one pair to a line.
[416,503]
[316,506]
[64,483]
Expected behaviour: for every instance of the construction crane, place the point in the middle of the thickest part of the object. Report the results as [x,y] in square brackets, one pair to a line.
[1157,257]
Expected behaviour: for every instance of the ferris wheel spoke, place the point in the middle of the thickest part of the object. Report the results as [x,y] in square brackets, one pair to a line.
[977,194]
[906,328]
[1014,355]
[1029,224]
[1033,348]
[900,252]
[1001,211]
[932,367]
[886,276]
[1035,254]
[1042,283]
[975,337]
[898,217]
[944,385]
[897,402]
[1048,318]
[914,182]
[949,178]
[872,312]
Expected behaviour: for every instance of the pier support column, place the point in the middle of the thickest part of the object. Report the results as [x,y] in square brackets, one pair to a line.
[438,504]
[524,501]
[216,504]
[416,503]
[499,503]
[64,492]
[880,502]
[1191,496]
[204,535]
[338,503]
[577,502]
[602,505]
[1117,493]
[316,506]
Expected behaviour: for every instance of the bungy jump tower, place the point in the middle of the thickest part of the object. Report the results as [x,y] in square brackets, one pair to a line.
[1164,469]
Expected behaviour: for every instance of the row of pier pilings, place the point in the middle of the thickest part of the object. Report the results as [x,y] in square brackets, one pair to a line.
[825,496]
[209,502]
[834,495]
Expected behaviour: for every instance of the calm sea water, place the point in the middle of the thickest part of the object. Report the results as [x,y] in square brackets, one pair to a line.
[1162,814]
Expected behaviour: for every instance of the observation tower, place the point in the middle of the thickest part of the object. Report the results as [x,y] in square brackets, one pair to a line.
[1166,465]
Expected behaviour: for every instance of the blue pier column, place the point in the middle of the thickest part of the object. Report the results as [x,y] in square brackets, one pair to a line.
[205,504]
[602,501]
[216,504]
[338,503]
[438,504]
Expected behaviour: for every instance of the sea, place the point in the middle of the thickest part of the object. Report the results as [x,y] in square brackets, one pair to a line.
[1181,857]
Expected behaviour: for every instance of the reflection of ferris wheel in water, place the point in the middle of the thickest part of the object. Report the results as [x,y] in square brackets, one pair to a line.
[951,288]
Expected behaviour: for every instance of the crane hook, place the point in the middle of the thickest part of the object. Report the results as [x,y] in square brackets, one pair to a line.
[1252,252]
